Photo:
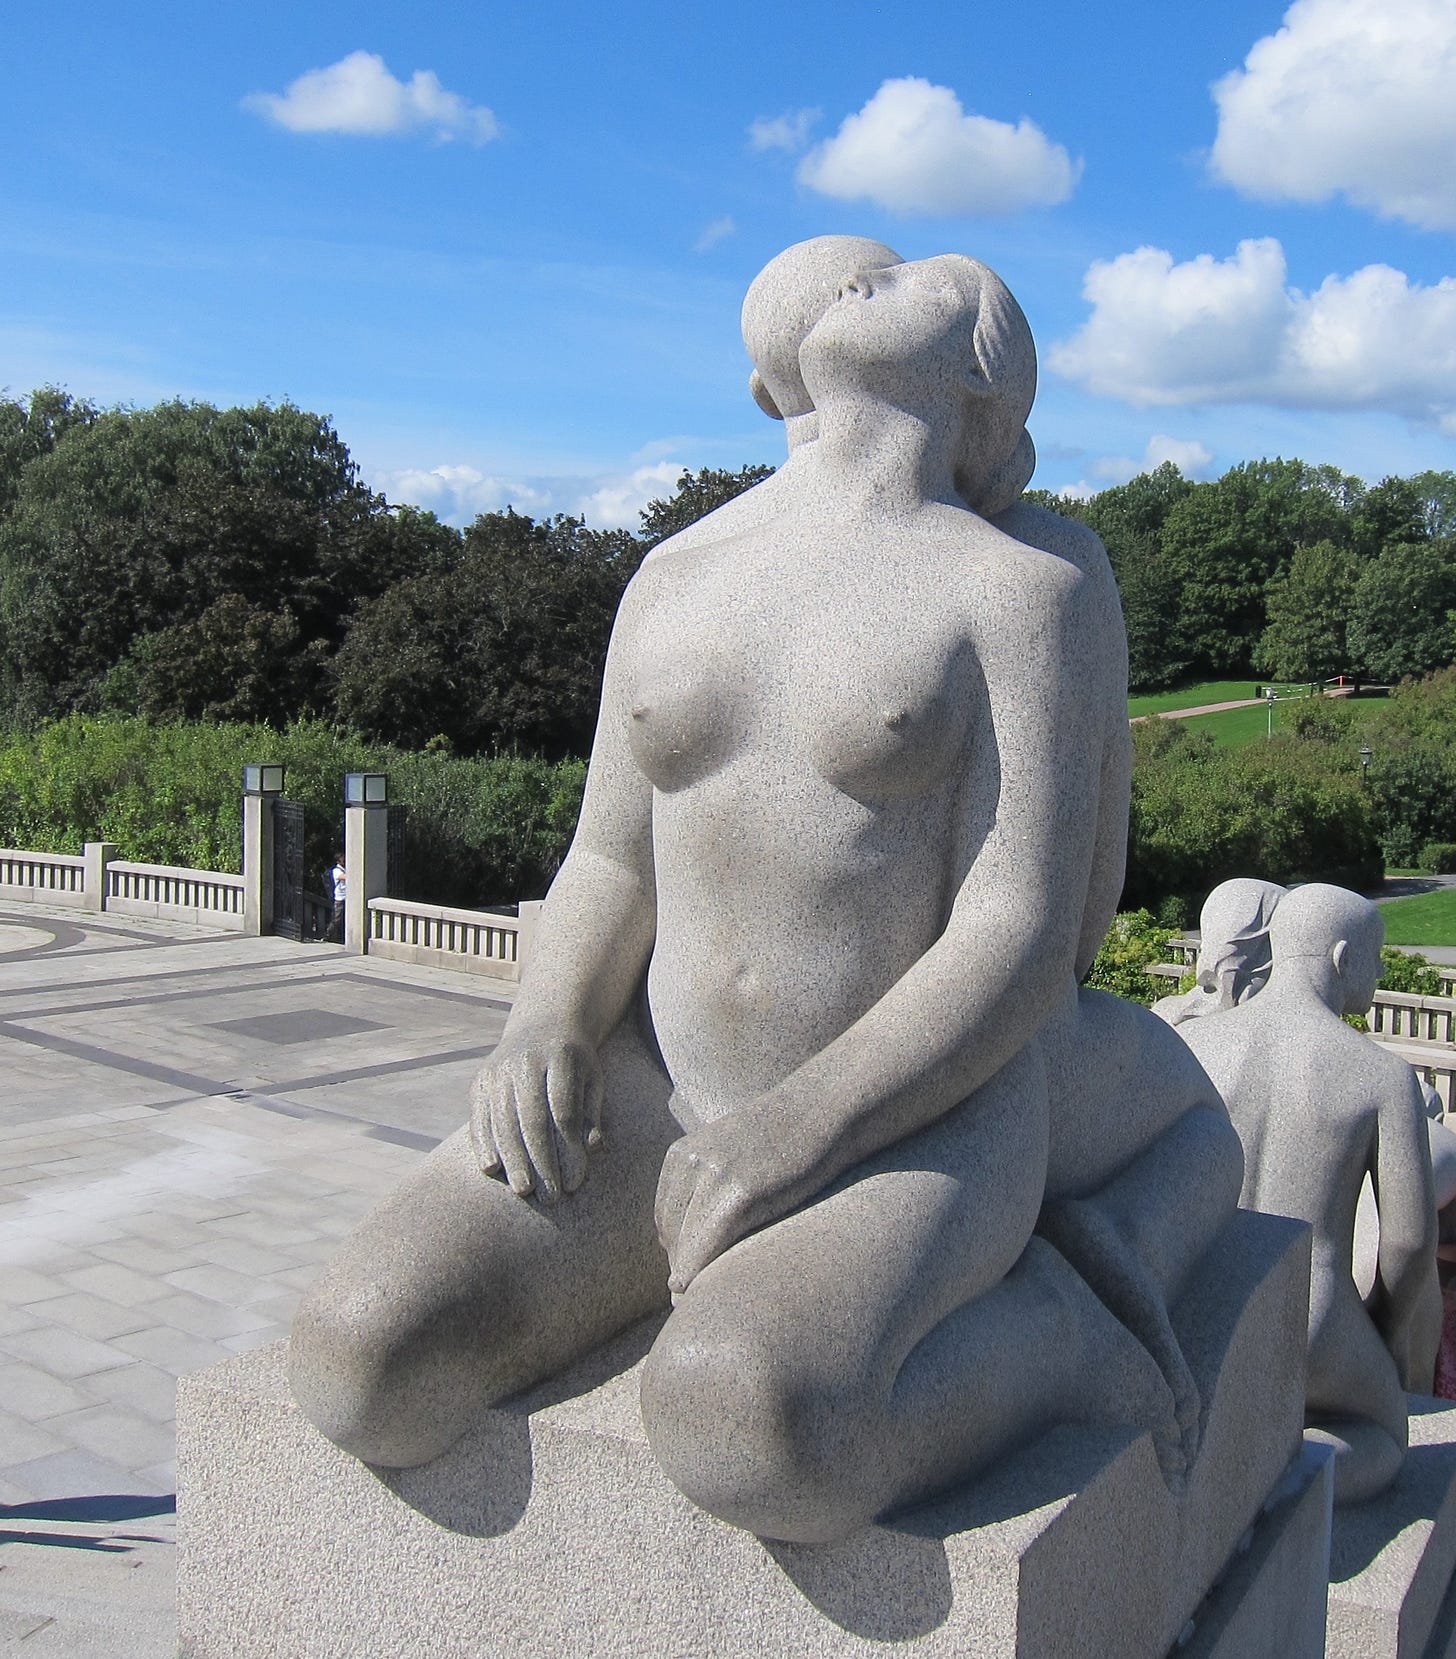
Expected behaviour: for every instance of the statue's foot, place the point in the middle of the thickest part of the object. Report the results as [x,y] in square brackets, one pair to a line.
[1367,1457]
[1094,1245]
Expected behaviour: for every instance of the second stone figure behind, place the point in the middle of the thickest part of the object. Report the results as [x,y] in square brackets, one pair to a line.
[1319,1107]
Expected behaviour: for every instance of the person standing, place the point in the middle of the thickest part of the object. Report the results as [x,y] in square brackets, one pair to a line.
[339,881]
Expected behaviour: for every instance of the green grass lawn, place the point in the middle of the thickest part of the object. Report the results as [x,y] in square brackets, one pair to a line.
[1191,697]
[1234,727]
[1427,919]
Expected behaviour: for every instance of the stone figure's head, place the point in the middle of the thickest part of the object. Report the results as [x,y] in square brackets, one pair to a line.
[1234,950]
[1319,922]
[784,301]
[946,335]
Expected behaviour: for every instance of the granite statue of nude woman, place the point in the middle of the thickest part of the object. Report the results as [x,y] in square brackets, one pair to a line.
[801,1052]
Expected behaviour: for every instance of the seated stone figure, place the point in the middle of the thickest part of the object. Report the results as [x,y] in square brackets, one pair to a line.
[1319,1107]
[1233,950]
[801,1048]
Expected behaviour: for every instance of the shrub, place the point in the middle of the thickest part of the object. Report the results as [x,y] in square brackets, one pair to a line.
[1408,971]
[1134,942]
[1439,857]
[483,831]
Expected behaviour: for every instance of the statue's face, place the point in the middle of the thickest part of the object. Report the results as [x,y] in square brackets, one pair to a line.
[914,321]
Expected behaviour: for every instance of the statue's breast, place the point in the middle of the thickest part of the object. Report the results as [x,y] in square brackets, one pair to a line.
[889,722]
[690,711]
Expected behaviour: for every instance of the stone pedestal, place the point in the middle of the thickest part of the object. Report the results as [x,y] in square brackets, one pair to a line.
[1391,1560]
[551,1530]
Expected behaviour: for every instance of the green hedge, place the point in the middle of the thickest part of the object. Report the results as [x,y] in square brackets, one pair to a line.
[479,832]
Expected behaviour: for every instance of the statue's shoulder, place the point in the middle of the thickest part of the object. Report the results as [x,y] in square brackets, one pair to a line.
[1063,538]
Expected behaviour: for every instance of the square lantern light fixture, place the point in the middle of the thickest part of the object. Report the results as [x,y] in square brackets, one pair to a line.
[260,779]
[365,789]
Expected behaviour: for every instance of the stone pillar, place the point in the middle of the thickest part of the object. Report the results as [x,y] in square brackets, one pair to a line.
[366,865]
[98,855]
[257,864]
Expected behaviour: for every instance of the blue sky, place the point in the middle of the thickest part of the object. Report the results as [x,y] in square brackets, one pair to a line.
[505,246]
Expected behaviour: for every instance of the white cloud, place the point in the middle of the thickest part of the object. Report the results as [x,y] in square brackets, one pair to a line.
[1349,96]
[457,494]
[1187,454]
[617,503]
[913,149]
[359,95]
[713,233]
[1233,331]
[1191,458]
[789,131]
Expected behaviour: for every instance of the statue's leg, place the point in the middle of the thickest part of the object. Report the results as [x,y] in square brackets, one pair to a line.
[1353,1398]
[1136,1235]
[455,1293]
[891,1337]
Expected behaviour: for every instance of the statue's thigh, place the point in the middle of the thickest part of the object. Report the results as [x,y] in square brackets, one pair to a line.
[455,1263]
[860,1275]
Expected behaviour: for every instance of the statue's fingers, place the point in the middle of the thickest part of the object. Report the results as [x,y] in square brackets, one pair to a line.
[710,1225]
[564,1088]
[596,1102]
[538,1133]
[505,1129]
[481,1141]
[674,1189]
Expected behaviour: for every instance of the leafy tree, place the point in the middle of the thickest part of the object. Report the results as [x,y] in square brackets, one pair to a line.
[499,647]
[1308,606]
[142,522]
[1437,491]
[1395,510]
[1399,614]
[32,427]
[1224,540]
[697,495]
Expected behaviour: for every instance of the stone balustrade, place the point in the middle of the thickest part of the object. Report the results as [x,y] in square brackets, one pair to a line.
[437,936]
[173,893]
[43,878]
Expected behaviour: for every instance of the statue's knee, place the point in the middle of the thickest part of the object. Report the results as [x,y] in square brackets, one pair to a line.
[749,1441]
[374,1381]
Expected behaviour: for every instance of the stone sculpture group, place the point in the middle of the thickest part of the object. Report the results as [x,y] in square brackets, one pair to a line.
[802,1065]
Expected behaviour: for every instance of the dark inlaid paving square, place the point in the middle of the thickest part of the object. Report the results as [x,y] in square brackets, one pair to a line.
[299,1025]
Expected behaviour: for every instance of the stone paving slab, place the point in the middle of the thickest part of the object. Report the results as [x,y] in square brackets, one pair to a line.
[189,1122]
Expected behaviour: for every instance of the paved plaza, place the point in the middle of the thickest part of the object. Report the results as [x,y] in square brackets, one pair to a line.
[188,1124]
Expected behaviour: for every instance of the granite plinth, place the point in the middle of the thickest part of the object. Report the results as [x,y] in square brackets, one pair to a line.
[551,1529]
[1391,1559]
[1271,1602]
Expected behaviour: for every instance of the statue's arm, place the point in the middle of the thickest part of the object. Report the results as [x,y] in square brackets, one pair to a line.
[1029,819]
[1409,1307]
[536,1103]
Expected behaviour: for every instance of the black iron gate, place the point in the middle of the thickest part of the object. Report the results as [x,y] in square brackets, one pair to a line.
[394,863]
[297,913]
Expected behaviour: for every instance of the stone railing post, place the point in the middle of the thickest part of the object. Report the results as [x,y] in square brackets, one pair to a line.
[261,787]
[366,853]
[98,854]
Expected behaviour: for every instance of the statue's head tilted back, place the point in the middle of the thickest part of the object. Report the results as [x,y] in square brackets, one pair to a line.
[789,298]
[784,301]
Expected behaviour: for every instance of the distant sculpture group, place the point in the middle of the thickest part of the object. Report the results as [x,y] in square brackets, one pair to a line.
[801,1061]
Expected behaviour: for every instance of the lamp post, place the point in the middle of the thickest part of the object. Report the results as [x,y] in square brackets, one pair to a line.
[366,852]
[1270,697]
[262,785]
[1366,754]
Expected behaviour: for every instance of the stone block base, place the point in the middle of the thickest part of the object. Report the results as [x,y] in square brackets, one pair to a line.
[1391,1560]
[550,1529]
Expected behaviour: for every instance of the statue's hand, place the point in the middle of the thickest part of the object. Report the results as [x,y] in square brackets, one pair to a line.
[535,1113]
[718,1184]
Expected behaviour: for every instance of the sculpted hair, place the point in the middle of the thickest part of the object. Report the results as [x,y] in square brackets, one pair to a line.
[998,454]
[1312,920]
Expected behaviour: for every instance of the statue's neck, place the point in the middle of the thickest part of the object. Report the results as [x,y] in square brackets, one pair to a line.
[873,452]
